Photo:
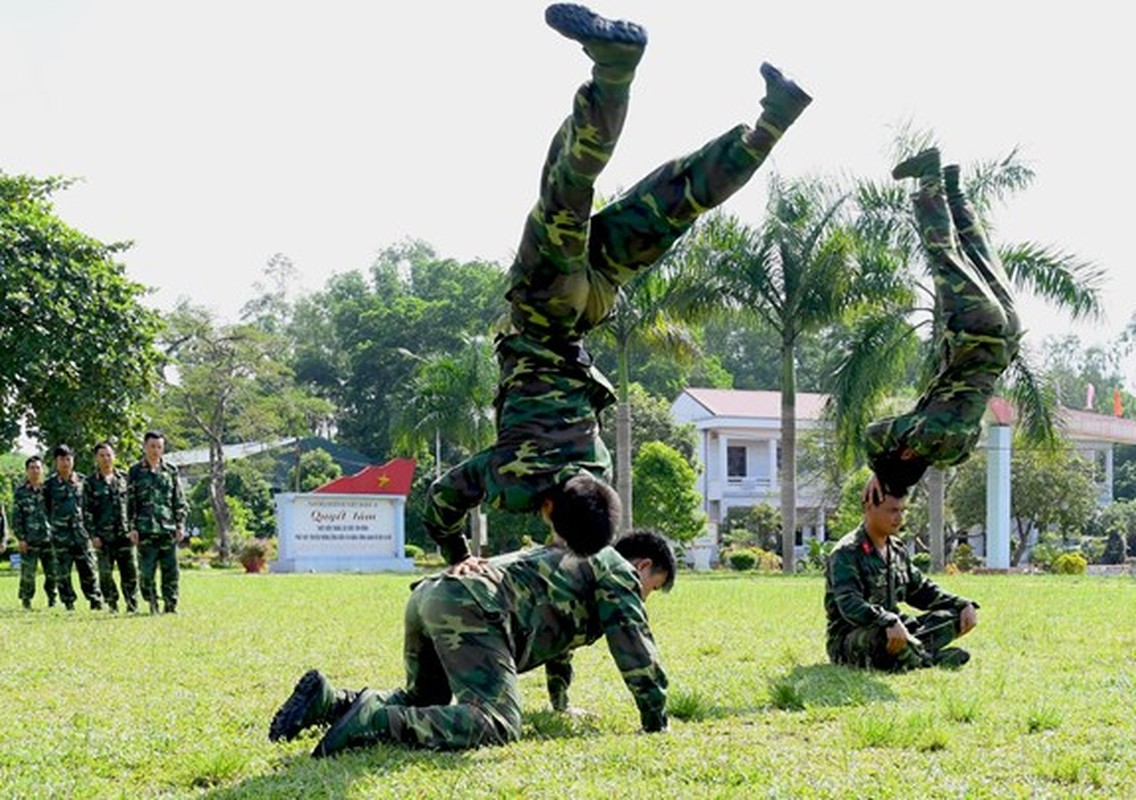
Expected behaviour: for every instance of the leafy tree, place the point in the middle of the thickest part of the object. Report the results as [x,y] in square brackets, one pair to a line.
[754,526]
[229,386]
[76,344]
[665,497]
[652,421]
[243,482]
[316,468]
[802,271]
[1034,502]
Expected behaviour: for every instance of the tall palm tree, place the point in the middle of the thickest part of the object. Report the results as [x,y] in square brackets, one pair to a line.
[801,271]
[649,315]
[872,367]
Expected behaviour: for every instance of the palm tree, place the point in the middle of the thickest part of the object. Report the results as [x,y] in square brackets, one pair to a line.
[873,364]
[801,271]
[648,315]
[449,397]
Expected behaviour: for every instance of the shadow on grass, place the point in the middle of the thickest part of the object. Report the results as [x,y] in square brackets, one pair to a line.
[826,685]
[300,775]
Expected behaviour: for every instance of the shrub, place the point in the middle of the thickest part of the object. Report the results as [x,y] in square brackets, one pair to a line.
[964,558]
[1114,549]
[742,560]
[1070,564]
[412,551]
[254,553]
[922,561]
[767,561]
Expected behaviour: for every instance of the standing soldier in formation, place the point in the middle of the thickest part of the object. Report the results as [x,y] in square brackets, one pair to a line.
[63,502]
[33,534]
[155,513]
[106,523]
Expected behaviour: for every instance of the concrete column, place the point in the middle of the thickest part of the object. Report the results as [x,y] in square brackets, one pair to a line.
[774,476]
[998,452]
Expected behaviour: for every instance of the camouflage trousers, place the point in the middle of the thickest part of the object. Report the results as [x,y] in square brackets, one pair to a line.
[461,678]
[154,552]
[79,554]
[43,555]
[565,280]
[980,334]
[121,553]
[867,647]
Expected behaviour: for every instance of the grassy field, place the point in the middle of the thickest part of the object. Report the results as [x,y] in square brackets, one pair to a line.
[100,706]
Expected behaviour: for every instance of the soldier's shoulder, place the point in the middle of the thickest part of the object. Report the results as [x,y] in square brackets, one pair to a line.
[849,542]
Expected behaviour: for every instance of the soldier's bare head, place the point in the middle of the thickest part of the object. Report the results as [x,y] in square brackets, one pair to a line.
[33,469]
[64,460]
[154,445]
[652,558]
[584,512]
[104,457]
[883,509]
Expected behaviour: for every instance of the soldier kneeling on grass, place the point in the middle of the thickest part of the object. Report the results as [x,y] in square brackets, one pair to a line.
[867,576]
[469,635]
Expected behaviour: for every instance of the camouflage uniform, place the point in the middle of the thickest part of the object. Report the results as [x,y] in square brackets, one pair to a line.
[156,509]
[564,281]
[63,502]
[30,526]
[861,599]
[980,337]
[468,637]
[106,520]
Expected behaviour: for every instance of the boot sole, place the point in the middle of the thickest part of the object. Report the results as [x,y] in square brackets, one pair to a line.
[583,25]
[322,749]
[289,719]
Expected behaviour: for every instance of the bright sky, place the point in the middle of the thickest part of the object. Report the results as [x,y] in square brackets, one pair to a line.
[217,133]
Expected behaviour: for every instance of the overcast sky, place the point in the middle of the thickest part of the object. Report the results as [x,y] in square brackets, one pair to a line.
[215,134]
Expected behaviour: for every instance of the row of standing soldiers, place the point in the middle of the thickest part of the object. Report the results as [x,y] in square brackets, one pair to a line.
[106,519]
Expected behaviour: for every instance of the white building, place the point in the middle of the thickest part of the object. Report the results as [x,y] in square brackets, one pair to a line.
[739,435]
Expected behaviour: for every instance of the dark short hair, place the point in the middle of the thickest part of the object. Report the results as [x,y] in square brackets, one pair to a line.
[153,435]
[103,446]
[648,544]
[63,450]
[31,460]
[585,513]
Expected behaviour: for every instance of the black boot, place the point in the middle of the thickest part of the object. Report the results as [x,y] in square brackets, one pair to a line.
[616,46]
[783,102]
[920,165]
[314,701]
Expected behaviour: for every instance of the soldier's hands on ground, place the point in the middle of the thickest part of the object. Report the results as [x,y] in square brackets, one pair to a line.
[897,638]
[967,619]
[472,565]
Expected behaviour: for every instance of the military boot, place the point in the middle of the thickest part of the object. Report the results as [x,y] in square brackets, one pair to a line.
[112,607]
[950,657]
[314,701]
[921,165]
[26,603]
[783,102]
[615,46]
[362,724]
[154,606]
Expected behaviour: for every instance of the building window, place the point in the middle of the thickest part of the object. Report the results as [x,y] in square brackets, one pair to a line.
[735,462]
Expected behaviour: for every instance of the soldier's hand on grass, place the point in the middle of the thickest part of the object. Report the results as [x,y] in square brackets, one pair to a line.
[96,542]
[472,565]
[897,638]
[133,537]
[967,619]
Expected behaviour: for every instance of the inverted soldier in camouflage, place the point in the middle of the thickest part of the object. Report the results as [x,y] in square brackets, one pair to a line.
[469,636]
[33,535]
[63,501]
[568,271]
[980,334]
[867,576]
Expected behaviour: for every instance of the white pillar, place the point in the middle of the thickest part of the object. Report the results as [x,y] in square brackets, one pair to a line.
[774,476]
[998,451]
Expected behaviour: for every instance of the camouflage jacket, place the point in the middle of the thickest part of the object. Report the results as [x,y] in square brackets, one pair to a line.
[862,589]
[106,505]
[63,502]
[29,519]
[555,602]
[155,500]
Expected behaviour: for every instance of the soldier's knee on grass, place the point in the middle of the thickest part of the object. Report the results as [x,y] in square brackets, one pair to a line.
[584,512]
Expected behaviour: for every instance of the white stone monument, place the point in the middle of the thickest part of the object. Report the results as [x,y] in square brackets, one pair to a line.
[352,524]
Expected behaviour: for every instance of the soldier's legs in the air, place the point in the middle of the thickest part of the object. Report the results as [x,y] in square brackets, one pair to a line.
[125,557]
[106,558]
[85,565]
[636,230]
[549,277]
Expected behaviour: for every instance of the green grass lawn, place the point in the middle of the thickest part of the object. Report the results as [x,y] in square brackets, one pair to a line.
[95,705]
